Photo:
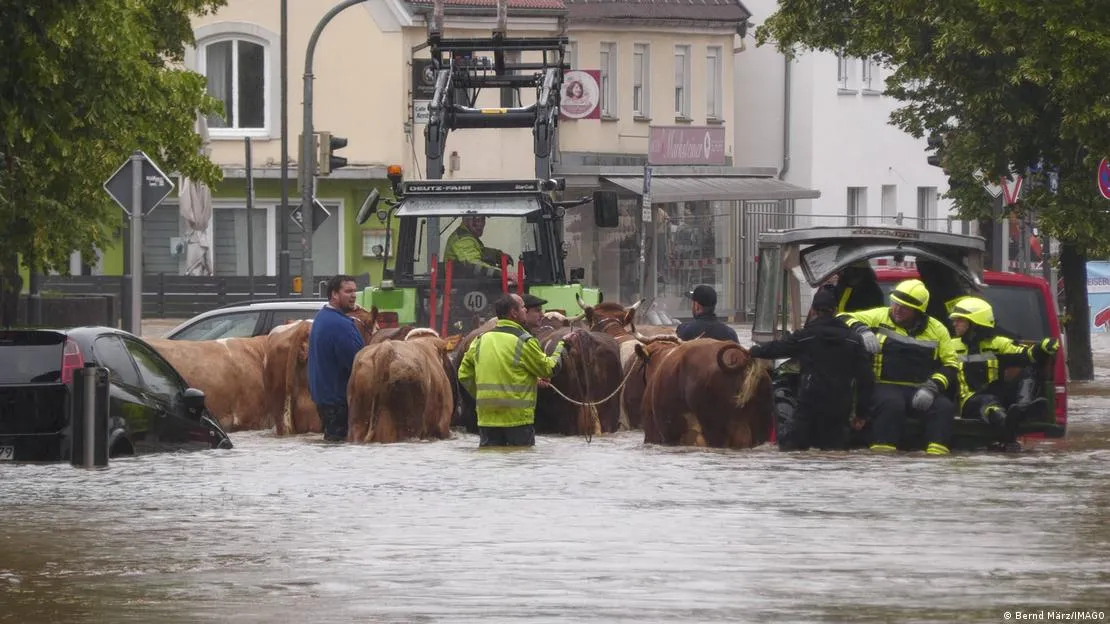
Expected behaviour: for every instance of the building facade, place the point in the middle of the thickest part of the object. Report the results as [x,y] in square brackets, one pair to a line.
[822,121]
[667,89]
[362,92]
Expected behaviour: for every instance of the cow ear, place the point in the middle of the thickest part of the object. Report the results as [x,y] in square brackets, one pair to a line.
[641,352]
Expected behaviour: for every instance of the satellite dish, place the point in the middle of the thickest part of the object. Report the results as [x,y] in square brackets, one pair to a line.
[368,207]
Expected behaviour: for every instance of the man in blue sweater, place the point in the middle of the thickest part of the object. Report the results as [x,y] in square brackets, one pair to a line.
[332,345]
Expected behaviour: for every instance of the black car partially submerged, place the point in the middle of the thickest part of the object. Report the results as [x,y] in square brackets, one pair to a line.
[151,408]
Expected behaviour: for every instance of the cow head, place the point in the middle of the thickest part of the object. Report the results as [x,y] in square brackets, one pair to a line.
[365,320]
[608,316]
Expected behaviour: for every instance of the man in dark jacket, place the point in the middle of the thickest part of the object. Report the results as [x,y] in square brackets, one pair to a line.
[705,323]
[832,359]
[332,345]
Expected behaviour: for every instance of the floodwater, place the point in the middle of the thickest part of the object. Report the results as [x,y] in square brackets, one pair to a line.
[297,530]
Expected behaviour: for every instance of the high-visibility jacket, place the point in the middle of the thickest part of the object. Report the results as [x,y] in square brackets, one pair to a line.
[909,360]
[466,248]
[981,360]
[500,370]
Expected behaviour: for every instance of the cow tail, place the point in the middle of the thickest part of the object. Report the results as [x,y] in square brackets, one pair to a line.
[291,364]
[752,378]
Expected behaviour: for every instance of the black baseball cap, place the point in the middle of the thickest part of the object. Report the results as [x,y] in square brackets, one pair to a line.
[703,294]
[532,301]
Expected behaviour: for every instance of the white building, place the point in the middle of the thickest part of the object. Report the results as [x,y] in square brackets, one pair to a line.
[837,137]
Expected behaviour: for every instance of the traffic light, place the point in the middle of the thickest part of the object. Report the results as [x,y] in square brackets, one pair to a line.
[329,144]
[936,143]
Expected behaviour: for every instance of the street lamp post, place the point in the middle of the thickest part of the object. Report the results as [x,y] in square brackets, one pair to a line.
[308,154]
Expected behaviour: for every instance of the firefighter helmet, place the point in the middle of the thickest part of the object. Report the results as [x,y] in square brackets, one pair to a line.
[975,310]
[912,294]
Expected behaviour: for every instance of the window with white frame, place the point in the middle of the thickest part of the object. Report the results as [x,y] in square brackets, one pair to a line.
[608,79]
[890,203]
[571,55]
[237,69]
[713,90]
[867,75]
[857,204]
[926,206]
[641,73]
[682,81]
[843,72]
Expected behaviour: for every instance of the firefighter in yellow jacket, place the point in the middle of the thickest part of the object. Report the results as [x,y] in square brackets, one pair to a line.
[465,247]
[915,363]
[501,370]
[984,354]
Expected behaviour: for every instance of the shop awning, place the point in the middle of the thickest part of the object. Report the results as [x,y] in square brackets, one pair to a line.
[667,189]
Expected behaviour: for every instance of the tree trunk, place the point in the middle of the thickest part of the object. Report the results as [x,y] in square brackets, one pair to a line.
[1073,267]
[11,284]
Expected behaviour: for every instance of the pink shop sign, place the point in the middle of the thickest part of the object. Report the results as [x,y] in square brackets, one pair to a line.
[686,145]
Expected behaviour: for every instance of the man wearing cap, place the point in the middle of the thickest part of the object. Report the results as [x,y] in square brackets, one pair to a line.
[533,312]
[915,366]
[833,362]
[501,369]
[705,323]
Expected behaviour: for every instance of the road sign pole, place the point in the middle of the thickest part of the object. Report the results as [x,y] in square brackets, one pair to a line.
[136,299]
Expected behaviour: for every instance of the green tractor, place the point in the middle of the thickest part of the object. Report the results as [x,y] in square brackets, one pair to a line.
[453,297]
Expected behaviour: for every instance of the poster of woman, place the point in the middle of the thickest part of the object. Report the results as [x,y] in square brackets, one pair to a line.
[581,94]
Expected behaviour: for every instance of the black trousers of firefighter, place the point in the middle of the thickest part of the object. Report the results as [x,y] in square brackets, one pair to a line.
[891,404]
[819,419]
[1006,394]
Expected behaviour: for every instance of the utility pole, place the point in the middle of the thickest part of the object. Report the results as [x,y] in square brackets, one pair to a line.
[308,153]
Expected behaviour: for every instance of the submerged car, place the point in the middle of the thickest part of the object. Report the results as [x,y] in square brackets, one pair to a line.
[151,408]
[794,262]
[246,319]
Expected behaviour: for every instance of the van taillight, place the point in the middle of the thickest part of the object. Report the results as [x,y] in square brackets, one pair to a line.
[71,360]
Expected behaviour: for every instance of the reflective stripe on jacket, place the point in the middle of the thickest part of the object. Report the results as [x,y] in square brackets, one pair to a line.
[907,360]
[980,362]
[500,370]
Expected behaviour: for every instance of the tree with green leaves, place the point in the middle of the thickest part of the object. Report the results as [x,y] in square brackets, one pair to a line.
[1006,84]
[84,83]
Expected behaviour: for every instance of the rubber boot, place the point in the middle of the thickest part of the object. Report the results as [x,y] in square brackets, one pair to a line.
[935,448]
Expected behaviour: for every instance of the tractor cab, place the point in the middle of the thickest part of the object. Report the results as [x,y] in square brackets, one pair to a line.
[515,224]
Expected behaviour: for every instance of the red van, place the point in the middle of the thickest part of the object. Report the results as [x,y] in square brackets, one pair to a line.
[793,262]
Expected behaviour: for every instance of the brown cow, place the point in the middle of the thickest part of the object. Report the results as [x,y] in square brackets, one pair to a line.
[286,373]
[707,393]
[230,373]
[637,371]
[589,374]
[400,390]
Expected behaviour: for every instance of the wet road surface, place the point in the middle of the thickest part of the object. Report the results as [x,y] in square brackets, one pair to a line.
[297,530]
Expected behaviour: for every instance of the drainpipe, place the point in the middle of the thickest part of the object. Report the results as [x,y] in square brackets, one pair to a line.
[785,118]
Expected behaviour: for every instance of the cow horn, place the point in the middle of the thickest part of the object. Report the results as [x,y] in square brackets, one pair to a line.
[637,335]
[578,298]
[633,307]
[577,318]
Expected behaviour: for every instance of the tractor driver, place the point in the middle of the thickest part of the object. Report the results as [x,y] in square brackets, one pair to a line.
[465,246]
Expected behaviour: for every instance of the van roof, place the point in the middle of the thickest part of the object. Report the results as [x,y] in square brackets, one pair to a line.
[884,274]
